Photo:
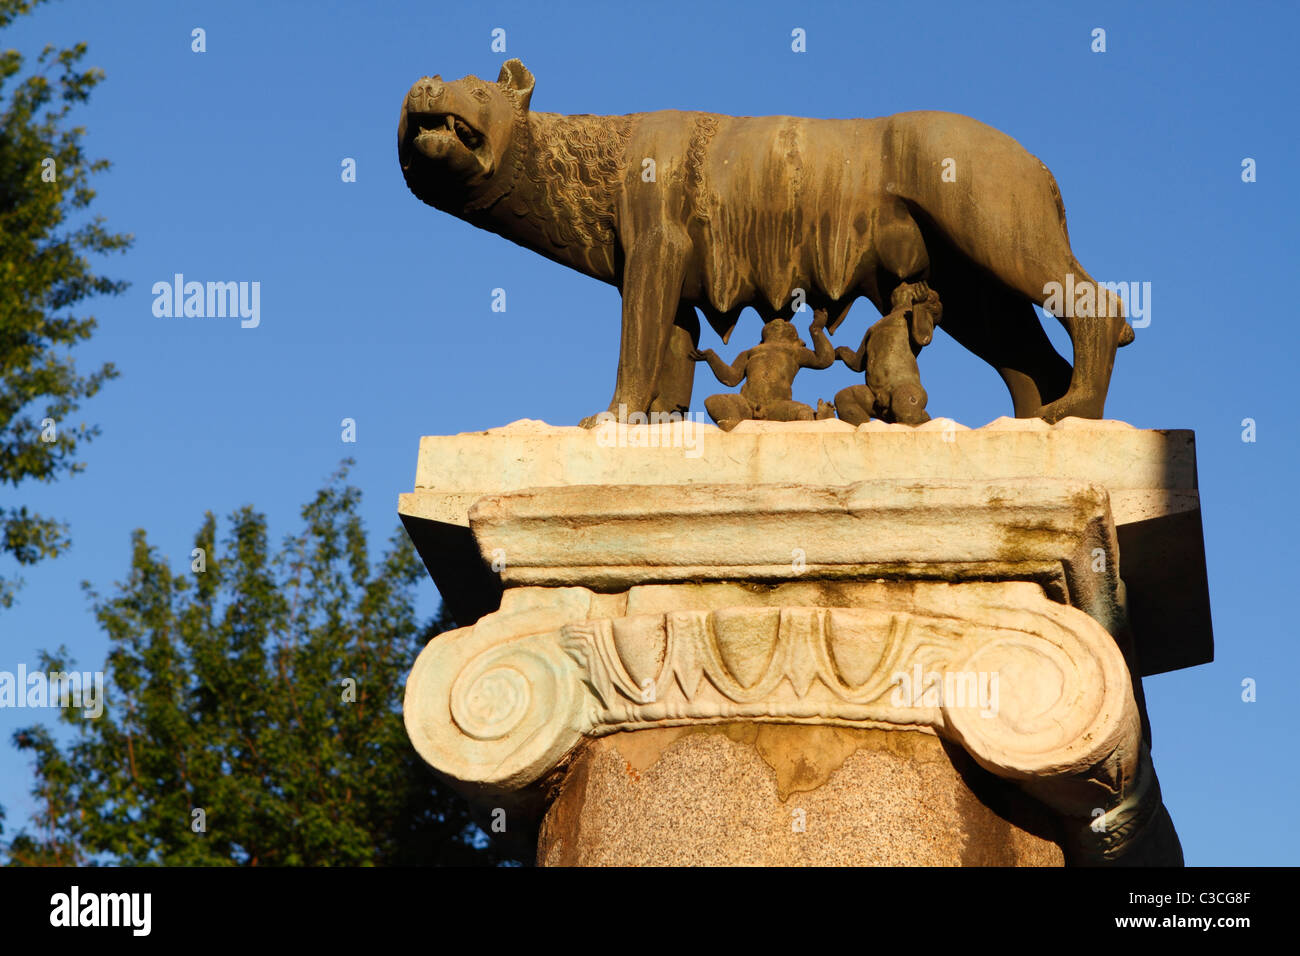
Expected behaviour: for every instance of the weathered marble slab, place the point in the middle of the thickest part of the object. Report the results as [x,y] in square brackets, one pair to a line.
[527,474]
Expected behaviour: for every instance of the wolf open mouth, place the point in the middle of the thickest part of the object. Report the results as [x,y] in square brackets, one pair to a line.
[445,124]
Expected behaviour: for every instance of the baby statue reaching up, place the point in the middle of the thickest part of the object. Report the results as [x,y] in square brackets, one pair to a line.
[893,390]
[768,371]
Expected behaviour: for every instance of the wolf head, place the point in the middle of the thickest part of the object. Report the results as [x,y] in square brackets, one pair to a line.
[459,143]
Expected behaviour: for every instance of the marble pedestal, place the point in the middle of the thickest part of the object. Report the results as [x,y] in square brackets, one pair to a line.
[810,643]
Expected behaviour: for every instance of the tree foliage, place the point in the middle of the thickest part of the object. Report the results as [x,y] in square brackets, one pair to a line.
[227,691]
[45,236]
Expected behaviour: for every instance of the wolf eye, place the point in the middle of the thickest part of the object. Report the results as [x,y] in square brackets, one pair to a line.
[479,94]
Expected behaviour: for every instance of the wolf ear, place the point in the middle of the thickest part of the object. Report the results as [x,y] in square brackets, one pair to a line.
[515,76]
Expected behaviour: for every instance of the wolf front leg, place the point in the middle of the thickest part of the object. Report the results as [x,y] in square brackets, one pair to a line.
[652,287]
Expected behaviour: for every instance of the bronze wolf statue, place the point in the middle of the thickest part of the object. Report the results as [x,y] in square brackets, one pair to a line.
[684,211]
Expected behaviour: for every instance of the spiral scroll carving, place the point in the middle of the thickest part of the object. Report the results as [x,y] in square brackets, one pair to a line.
[1040,691]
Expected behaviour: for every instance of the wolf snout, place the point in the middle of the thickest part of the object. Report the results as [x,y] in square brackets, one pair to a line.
[424,95]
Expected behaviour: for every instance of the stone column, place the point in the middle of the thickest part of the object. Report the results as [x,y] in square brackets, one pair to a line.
[802,643]
[750,793]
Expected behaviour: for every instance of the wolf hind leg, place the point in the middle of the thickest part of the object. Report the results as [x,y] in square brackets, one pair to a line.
[1095,334]
[1000,327]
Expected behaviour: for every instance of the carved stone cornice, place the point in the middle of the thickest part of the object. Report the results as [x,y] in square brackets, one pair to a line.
[1057,532]
[1149,476]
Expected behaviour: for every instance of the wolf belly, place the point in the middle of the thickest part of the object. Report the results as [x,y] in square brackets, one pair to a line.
[819,191]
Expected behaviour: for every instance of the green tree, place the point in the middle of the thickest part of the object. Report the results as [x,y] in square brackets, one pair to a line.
[263,690]
[44,274]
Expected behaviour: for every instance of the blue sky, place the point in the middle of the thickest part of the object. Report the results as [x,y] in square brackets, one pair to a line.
[378,308]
